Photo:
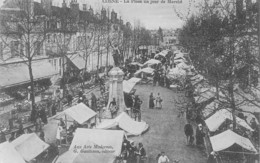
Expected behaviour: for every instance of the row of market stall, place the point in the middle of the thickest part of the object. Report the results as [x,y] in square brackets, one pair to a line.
[218,119]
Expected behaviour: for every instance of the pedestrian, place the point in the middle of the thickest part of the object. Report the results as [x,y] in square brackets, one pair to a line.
[155,78]
[62,123]
[20,130]
[93,102]
[69,99]
[42,115]
[158,103]
[188,130]
[54,108]
[42,135]
[141,153]
[137,108]
[200,136]
[132,150]
[12,137]
[163,158]
[113,107]
[2,138]
[151,101]
[212,158]
[58,135]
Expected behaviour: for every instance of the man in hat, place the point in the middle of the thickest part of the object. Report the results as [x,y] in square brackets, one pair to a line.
[200,136]
[137,108]
[132,150]
[141,153]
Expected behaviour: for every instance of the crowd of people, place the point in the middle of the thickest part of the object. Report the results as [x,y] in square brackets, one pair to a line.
[131,153]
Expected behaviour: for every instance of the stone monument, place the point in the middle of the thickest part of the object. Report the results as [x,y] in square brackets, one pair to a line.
[116,89]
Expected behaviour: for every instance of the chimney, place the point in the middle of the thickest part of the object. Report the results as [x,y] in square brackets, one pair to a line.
[91,11]
[84,7]
[64,5]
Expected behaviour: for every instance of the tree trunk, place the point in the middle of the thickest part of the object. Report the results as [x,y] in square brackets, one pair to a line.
[32,91]
[233,106]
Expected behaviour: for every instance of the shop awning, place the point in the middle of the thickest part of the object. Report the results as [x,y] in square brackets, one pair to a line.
[77,60]
[17,74]
[227,139]
[29,146]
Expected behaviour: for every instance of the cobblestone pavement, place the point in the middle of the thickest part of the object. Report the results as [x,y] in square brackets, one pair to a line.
[166,131]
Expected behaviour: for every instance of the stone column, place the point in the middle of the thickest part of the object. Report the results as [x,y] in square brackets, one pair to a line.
[116,88]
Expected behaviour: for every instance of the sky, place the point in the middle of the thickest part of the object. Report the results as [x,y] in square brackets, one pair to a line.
[151,16]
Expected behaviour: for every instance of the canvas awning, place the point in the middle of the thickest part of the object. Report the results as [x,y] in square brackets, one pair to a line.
[147,70]
[29,146]
[93,146]
[77,60]
[183,65]
[134,80]
[162,53]
[228,138]
[152,62]
[80,113]
[17,74]
[176,73]
[128,85]
[126,123]
[136,63]
[217,119]
[8,154]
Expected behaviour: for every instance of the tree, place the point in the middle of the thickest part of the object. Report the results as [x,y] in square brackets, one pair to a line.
[219,44]
[160,34]
[29,30]
[62,25]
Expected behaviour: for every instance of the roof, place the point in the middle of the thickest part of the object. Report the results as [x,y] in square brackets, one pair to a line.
[29,146]
[15,74]
[217,119]
[126,123]
[227,139]
[100,146]
[80,113]
[8,154]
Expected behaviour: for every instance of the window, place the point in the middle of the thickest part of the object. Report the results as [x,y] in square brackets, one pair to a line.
[14,48]
[37,48]
[21,49]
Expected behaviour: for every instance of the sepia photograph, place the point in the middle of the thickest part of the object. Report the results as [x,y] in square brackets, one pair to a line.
[129,81]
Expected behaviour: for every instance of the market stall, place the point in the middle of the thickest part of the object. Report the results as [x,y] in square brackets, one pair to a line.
[92,145]
[216,120]
[8,154]
[126,123]
[29,146]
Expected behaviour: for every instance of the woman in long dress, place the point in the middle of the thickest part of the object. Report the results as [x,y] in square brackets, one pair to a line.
[158,102]
[151,101]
